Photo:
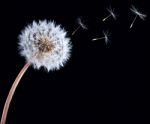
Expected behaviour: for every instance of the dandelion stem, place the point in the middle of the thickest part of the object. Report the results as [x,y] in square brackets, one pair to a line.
[106,17]
[133,22]
[11,93]
[76,30]
[98,38]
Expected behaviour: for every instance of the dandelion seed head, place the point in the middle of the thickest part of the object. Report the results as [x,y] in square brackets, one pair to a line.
[45,44]
[81,24]
[112,12]
[136,12]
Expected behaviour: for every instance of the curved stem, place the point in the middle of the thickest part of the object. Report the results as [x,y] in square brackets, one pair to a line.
[12,91]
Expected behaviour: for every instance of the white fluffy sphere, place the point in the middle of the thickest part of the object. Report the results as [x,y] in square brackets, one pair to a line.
[45,44]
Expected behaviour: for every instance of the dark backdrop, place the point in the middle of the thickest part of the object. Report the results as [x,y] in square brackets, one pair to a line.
[99,84]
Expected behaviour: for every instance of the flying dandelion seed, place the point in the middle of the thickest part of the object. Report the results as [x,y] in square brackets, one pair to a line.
[111,14]
[43,44]
[81,25]
[105,37]
[137,14]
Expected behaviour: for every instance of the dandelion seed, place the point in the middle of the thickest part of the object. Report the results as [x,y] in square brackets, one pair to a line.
[111,14]
[81,25]
[137,14]
[43,44]
[105,37]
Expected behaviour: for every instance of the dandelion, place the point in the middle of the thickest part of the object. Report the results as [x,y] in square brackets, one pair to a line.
[105,37]
[43,44]
[137,14]
[81,25]
[111,14]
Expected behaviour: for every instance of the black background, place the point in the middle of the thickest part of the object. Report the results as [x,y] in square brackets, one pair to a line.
[99,84]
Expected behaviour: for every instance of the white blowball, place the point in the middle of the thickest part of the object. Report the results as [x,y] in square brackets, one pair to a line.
[45,44]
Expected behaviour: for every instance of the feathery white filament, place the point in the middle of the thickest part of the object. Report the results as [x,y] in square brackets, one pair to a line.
[106,35]
[112,12]
[45,44]
[136,12]
[82,24]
